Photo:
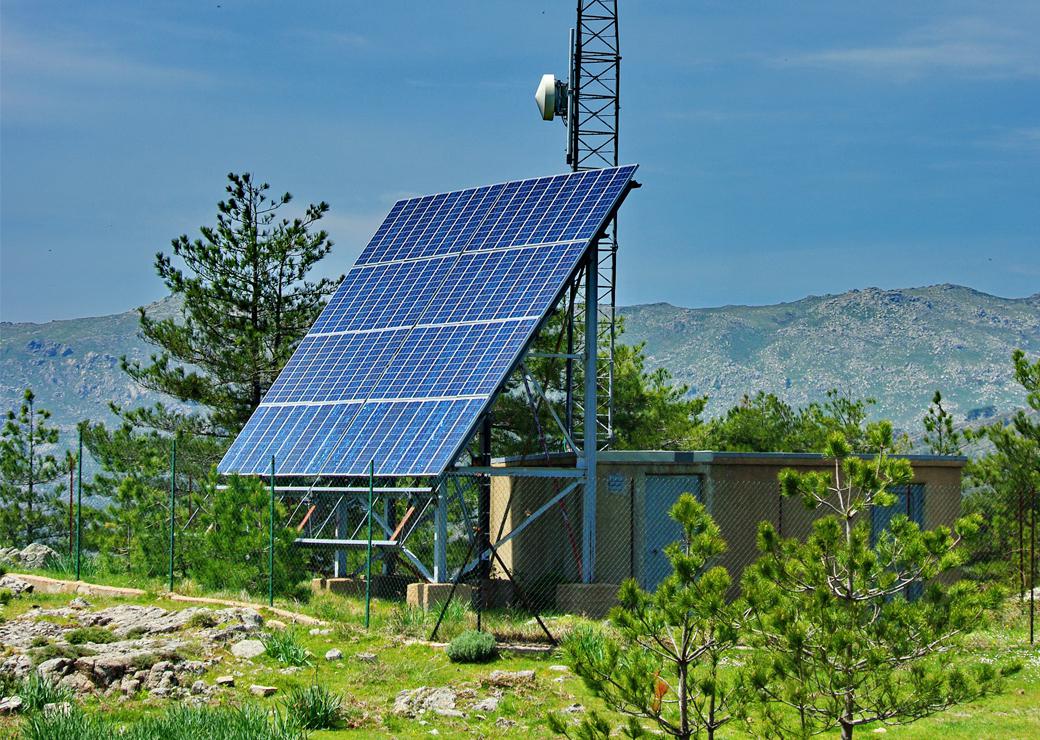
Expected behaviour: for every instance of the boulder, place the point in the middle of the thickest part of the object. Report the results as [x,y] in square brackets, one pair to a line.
[10,705]
[489,704]
[62,708]
[35,555]
[79,603]
[77,683]
[199,687]
[424,699]
[55,669]
[366,657]
[16,666]
[259,690]
[248,649]
[225,681]
[510,679]
[334,654]
[16,585]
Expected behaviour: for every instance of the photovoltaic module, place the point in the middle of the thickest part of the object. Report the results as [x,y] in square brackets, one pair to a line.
[426,327]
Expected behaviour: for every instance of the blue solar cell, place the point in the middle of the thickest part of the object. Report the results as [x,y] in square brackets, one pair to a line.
[425,327]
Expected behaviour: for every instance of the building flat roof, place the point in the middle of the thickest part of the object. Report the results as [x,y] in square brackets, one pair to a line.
[706,457]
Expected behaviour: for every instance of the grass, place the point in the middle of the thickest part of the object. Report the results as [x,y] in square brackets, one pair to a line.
[314,707]
[36,692]
[284,646]
[403,662]
[175,723]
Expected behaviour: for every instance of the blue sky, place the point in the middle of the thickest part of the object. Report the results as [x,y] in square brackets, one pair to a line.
[786,148]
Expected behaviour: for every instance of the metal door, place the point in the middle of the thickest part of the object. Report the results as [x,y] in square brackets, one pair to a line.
[909,501]
[661,530]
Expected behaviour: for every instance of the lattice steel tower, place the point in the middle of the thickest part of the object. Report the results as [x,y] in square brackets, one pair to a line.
[590,105]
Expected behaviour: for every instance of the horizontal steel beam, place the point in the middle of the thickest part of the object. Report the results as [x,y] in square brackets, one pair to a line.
[520,472]
[388,490]
[312,542]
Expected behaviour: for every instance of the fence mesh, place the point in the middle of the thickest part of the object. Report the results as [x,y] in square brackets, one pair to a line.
[511,551]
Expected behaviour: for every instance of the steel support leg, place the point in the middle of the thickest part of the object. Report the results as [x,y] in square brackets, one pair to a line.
[588,529]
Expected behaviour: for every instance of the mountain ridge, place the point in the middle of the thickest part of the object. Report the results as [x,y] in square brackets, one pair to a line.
[897,345]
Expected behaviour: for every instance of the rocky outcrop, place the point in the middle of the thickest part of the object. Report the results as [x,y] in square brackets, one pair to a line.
[35,555]
[146,656]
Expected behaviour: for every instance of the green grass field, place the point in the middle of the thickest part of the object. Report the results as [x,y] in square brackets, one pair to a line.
[403,661]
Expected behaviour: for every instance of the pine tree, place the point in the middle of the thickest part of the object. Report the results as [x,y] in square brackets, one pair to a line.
[247,302]
[29,510]
[839,643]
[665,666]
[940,436]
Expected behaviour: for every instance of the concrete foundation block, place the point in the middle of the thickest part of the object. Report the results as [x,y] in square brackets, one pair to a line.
[317,585]
[592,600]
[427,595]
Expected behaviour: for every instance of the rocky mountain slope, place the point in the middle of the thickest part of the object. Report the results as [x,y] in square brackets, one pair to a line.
[895,345]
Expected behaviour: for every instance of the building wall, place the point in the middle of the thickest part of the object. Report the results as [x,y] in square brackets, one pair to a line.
[739,490]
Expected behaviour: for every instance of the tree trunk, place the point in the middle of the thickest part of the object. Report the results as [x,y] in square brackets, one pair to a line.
[846,730]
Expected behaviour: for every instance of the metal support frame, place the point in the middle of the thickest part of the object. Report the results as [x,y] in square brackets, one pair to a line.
[590,446]
[593,125]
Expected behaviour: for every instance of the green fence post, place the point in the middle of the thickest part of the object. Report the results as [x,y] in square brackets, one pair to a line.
[79,503]
[173,501]
[270,554]
[368,561]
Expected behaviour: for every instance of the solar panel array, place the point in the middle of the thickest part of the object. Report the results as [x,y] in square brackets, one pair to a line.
[425,328]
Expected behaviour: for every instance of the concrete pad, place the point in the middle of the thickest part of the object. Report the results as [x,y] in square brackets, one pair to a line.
[593,600]
[427,595]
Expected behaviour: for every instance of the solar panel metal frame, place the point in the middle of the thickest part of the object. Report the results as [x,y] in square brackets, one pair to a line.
[489,399]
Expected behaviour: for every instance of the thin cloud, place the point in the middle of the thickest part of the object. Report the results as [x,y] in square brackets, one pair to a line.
[973,47]
[73,61]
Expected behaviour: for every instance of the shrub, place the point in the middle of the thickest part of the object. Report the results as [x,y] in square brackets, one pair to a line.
[314,707]
[36,692]
[472,647]
[285,647]
[414,621]
[202,619]
[134,632]
[97,635]
[52,650]
[39,641]
[5,596]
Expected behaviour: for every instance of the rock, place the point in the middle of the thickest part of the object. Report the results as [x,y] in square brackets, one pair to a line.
[79,603]
[423,699]
[334,654]
[109,668]
[448,713]
[199,687]
[880,730]
[248,649]
[54,669]
[17,666]
[77,683]
[315,631]
[168,681]
[489,704]
[574,709]
[290,670]
[275,624]
[228,681]
[508,679]
[155,676]
[35,555]
[504,723]
[366,657]
[194,667]
[559,668]
[10,705]
[263,690]
[16,585]
[61,708]
[129,686]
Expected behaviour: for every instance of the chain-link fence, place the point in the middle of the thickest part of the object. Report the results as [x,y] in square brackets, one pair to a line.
[513,552]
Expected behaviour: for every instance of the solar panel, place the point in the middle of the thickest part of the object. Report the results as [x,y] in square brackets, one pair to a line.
[425,328]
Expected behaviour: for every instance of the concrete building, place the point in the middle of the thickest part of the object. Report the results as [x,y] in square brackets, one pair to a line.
[636,489]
